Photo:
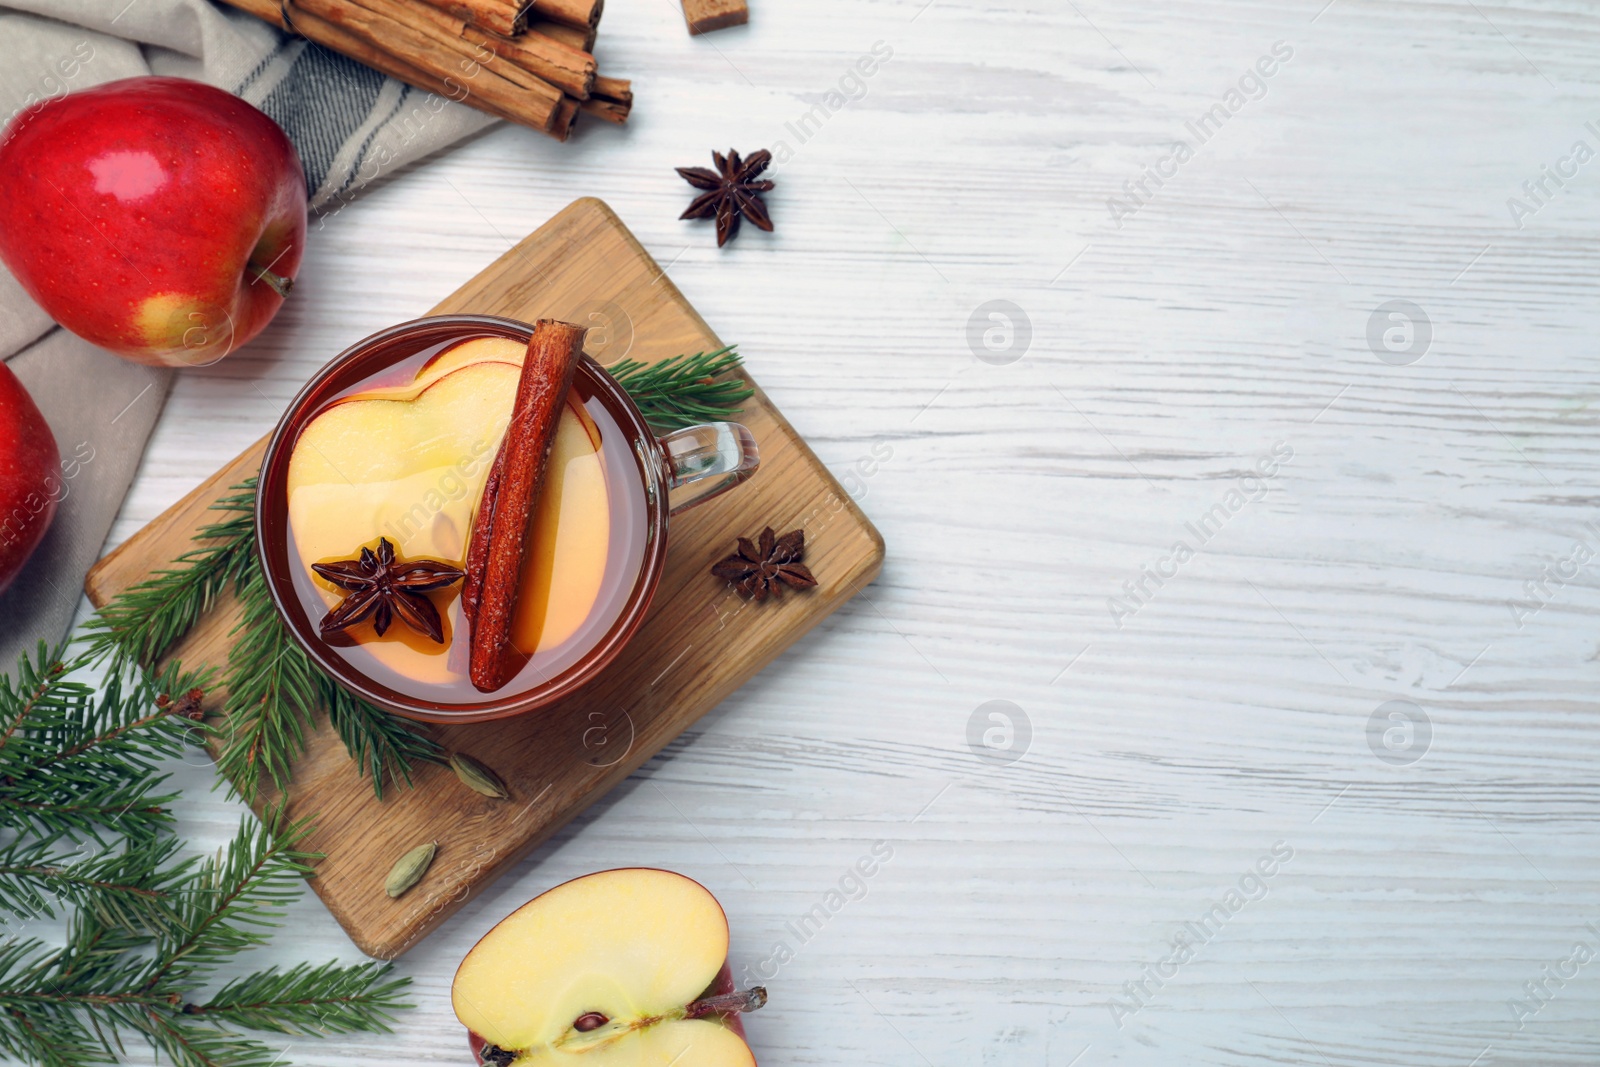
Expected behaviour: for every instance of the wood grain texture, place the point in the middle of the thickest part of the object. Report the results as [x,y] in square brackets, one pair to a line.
[699,641]
[1166,756]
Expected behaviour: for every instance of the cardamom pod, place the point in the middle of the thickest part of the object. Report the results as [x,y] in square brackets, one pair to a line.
[409,869]
[478,778]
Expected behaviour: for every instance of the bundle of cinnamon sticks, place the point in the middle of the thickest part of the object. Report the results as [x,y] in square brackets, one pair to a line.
[529,63]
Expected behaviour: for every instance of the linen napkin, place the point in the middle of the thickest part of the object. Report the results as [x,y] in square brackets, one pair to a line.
[351,126]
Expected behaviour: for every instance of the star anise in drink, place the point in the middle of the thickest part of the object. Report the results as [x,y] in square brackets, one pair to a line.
[732,192]
[760,570]
[382,588]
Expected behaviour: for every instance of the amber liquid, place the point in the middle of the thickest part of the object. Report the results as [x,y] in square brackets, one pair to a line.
[404,455]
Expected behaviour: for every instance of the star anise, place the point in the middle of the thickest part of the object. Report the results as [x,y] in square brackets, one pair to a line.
[759,570]
[732,194]
[382,588]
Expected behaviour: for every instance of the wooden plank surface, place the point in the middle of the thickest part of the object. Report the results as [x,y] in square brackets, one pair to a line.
[1166,356]
[699,641]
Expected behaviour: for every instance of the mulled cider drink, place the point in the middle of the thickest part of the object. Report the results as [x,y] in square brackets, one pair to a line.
[469,519]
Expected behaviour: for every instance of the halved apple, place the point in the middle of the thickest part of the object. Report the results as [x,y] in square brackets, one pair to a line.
[609,970]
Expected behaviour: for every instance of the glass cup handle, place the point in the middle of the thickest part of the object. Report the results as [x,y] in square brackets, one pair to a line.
[713,457]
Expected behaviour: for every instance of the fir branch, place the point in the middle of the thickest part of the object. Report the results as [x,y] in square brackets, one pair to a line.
[72,1006]
[187,1045]
[232,901]
[144,621]
[187,706]
[41,683]
[37,684]
[328,999]
[684,390]
[384,746]
[56,1004]
[81,763]
[272,695]
[126,887]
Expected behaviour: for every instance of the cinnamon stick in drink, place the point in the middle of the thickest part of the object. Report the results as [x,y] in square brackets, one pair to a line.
[478,544]
[505,517]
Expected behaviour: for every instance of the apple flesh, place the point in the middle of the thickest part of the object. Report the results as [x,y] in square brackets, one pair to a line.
[160,218]
[30,476]
[624,968]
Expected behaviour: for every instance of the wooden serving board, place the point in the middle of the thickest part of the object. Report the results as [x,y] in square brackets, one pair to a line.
[688,656]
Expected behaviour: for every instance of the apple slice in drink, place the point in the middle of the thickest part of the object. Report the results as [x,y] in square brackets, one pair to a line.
[362,466]
[465,354]
[410,464]
[477,350]
[607,970]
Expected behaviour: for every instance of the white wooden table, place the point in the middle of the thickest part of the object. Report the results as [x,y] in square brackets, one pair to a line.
[1167,746]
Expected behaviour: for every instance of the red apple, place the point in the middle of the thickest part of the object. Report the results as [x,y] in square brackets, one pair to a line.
[30,476]
[623,968]
[161,218]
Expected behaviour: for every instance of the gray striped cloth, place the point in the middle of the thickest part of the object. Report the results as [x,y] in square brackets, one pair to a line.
[352,127]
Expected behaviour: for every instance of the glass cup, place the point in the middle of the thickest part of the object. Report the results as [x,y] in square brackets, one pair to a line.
[698,462]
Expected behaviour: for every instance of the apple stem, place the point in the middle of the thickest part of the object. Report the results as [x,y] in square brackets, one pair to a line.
[495,1056]
[727,1003]
[278,283]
